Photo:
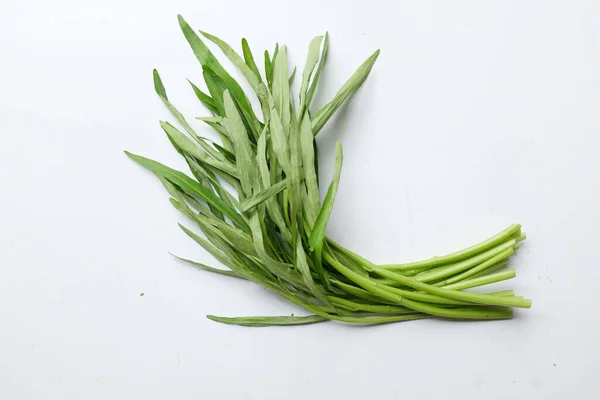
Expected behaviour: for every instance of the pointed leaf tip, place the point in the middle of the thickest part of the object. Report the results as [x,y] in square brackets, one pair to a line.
[159,87]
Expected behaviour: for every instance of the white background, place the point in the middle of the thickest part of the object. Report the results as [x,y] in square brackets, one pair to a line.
[476,115]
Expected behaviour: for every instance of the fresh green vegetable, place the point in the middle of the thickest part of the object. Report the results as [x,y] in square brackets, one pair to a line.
[274,231]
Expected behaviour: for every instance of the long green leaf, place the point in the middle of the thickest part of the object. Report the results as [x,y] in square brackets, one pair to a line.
[280,269]
[206,58]
[267,321]
[271,66]
[304,268]
[244,155]
[199,168]
[160,90]
[308,166]
[238,239]
[280,142]
[188,185]
[258,198]
[207,268]
[216,88]
[311,62]
[189,147]
[235,58]
[249,58]
[346,91]
[218,254]
[268,67]
[205,99]
[265,174]
[281,88]
[317,235]
[315,81]
[295,191]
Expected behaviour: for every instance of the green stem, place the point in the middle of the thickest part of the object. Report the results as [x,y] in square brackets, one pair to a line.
[505,250]
[424,297]
[359,292]
[512,231]
[383,291]
[381,309]
[483,280]
[480,270]
[504,293]
[453,294]
[441,295]
[284,292]
[500,258]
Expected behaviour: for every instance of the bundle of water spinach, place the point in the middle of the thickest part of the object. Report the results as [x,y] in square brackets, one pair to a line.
[273,231]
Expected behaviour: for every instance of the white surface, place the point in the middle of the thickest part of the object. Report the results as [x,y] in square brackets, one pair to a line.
[476,115]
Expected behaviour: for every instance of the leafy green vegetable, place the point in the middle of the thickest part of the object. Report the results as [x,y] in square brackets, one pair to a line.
[271,229]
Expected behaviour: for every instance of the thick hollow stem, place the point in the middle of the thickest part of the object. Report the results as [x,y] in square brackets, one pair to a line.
[513,231]
[382,291]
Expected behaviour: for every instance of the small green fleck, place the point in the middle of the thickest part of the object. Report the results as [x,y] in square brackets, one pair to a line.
[142,294]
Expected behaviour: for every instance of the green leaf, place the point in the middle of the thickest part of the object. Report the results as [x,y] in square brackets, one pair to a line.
[303,267]
[188,185]
[235,58]
[267,321]
[202,177]
[238,239]
[216,87]
[216,253]
[205,99]
[207,268]
[158,85]
[296,172]
[229,156]
[272,63]
[281,88]
[208,179]
[346,91]
[308,165]
[315,81]
[181,200]
[244,155]
[189,147]
[222,132]
[160,90]
[271,203]
[249,58]
[311,62]
[216,120]
[259,198]
[280,269]
[268,67]
[279,142]
[207,59]
[317,235]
